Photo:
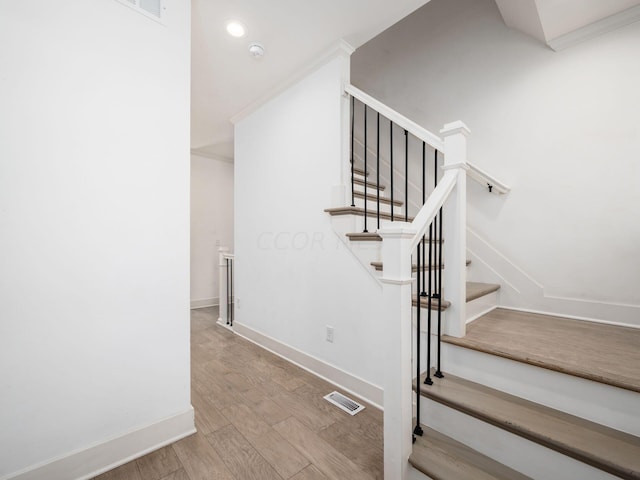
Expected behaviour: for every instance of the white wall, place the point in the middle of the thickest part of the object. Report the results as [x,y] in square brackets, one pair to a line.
[562,129]
[293,275]
[211,224]
[94,250]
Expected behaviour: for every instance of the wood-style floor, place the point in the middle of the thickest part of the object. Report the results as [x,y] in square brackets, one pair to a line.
[603,353]
[260,418]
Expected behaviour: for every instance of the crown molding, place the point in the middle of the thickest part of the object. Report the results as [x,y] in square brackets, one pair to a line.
[608,24]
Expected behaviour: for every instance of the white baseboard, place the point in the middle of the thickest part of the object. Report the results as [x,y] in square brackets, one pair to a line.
[90,462]
[223,323]
[352,384]
[205,302]
[572,317]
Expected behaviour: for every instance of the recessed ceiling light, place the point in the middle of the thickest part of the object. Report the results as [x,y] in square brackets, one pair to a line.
[236,29]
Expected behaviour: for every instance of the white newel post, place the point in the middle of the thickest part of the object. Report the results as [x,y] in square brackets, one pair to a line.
[455,229]
[222,285]
[398,406]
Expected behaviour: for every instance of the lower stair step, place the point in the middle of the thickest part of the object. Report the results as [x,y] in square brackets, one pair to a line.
[608,354]
[443,458]
[601,447]
[358,211]
[414,267]
[474,290]
[369,236]
[374,198]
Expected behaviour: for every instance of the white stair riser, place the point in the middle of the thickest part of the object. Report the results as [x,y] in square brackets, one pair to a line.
[611,406]
[371,190]
[481,306]
[372,205]
[365,252]
[509,449]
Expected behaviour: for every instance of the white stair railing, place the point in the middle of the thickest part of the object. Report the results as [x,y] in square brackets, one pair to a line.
[399,242]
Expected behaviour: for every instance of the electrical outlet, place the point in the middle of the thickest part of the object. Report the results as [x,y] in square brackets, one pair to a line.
[329,334]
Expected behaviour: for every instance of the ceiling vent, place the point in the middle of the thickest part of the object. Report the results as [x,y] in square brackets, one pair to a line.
[345,403]
[154,9]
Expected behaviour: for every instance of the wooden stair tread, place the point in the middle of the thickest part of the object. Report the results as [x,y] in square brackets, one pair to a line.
[364,237]
[360,171]
[360,212]
[424,303]
[602,447]
[359,181]
[443,458]
[479,289]
[374,198]
[414,267]
[474,290]
[373,236]
[603,353]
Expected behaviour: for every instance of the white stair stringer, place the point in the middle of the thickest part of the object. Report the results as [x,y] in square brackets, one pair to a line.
[514,451]
[607,405]
[365,252]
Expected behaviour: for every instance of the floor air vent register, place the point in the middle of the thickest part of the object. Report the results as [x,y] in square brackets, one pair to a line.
[345,403]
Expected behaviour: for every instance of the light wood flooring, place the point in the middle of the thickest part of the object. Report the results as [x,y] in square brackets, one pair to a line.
[603,353]
[260,418]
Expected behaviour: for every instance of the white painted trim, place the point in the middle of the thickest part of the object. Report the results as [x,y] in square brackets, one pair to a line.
[519,288]
[608,24]
[99,458]
[572,317]
[455,128]
[223,323]
[352,384]
[342,48]
[392,281]
[397,118]
[431,207]
[221,158]
[205,302]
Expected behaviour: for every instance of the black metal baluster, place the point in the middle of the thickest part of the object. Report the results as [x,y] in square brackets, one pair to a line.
[424,199]
[406,176]
[439,291]
[233,303]
[428,380]
[391,161]
[378,169]
[353,193]
[365,169]
[439,373]
[437,245]
[418,429]
[228,314]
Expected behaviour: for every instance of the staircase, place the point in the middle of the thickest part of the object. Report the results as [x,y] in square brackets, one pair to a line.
[520,395]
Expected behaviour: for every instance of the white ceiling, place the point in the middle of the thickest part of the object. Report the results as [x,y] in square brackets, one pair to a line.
[226,78]
[548,20]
